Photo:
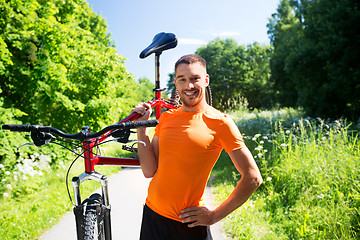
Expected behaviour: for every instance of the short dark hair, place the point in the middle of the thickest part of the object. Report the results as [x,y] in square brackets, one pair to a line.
[190,59]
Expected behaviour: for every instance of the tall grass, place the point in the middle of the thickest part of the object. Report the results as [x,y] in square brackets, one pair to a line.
[312,179]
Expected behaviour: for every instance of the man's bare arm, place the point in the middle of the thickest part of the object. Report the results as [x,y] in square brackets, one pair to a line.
[249,182]
[148,153]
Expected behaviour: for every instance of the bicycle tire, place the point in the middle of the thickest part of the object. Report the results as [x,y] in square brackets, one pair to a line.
[208,96]
[93,229]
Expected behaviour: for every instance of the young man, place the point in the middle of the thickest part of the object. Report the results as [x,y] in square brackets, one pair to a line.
[184,149]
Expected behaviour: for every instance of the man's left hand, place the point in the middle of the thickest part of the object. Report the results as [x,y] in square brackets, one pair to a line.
[198,216]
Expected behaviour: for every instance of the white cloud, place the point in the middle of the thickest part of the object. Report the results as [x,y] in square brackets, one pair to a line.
[191,41]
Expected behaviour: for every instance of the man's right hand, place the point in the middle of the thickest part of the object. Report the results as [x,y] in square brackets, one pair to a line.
[148,152]
[144,110]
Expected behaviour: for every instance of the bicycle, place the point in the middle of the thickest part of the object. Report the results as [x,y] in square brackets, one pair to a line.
[92,215]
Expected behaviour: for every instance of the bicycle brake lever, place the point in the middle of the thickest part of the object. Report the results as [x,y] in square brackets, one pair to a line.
[138,141]
[41,138]
[30,144]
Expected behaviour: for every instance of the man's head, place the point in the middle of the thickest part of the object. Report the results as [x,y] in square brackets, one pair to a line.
[191,80]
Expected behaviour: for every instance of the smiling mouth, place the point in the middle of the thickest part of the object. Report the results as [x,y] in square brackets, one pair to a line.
[190,93]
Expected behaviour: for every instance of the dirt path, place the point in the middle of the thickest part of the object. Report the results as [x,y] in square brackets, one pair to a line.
[127,192]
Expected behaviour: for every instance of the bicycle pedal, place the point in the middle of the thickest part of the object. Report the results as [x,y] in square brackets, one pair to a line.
[130,149]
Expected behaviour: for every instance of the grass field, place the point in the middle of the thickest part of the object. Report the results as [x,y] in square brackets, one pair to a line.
[311,172]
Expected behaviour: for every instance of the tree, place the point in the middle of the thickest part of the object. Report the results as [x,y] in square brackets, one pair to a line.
[59,65]
[259,89]
[316,56]
[331,30]
[225,61]
[171,83]
[283,30]
[238,72]
[143,90]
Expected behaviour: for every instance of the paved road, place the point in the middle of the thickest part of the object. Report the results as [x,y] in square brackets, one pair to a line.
[127,192]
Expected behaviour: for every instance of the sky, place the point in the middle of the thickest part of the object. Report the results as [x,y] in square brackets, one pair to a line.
[132,25]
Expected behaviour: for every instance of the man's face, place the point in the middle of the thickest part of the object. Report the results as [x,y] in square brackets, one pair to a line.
[191,81]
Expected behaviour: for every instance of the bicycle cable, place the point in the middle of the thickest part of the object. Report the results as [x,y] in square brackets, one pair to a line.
[73,162]
[67,178]
[78,155]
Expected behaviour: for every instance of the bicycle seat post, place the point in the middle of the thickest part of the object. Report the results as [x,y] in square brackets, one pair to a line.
[157,71]
[157,88]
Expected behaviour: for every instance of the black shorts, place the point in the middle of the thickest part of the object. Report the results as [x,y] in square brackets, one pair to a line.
[157,227]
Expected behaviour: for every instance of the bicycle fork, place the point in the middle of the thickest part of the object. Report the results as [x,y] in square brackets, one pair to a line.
[102,210]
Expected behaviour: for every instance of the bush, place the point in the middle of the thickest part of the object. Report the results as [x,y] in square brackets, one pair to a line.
[16,164]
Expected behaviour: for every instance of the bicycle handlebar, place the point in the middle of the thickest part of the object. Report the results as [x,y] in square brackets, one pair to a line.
[83,135]
[18,127]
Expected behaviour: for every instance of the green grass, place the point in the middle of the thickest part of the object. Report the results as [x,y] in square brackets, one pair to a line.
[311,175]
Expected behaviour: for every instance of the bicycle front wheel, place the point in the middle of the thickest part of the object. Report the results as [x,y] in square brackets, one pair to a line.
[93,225]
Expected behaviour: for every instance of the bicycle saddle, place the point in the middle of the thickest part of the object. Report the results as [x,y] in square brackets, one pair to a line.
[162,41]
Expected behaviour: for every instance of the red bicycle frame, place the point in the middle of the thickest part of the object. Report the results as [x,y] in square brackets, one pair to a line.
[158,103]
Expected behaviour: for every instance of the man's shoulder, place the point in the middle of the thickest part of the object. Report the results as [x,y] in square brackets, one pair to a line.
[215,114]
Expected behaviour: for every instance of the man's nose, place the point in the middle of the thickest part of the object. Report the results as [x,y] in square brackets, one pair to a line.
[190,85]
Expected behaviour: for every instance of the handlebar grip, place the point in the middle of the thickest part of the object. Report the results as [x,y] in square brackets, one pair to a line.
[140,124]
[18,127]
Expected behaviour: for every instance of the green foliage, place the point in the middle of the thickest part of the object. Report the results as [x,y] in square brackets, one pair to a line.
[283,28]
[311,179]
[314,182]
[238,72]
[316,56]
[12,159]
[58,67]
[171,83]
[143,90]
[61,53]
[8,140]
[258,89]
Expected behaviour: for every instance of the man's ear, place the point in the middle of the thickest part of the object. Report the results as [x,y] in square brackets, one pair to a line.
[175,80]
[207,80]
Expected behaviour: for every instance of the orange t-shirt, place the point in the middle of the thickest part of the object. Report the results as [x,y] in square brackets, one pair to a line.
[189,146]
